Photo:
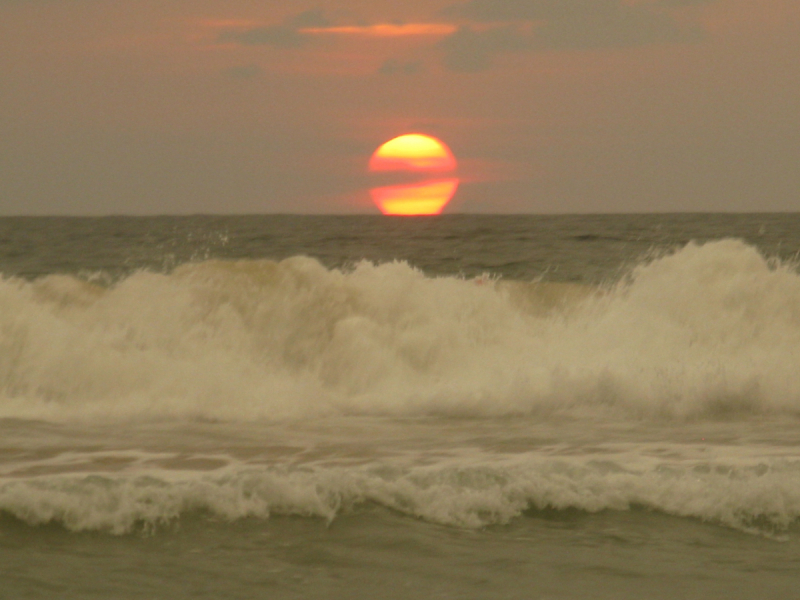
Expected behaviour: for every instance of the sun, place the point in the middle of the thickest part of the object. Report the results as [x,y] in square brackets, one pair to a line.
[415,153]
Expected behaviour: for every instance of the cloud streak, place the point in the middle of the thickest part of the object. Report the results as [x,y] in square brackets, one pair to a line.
[386,29]
[290,34]
[515,25]
[299,30]
[469,50]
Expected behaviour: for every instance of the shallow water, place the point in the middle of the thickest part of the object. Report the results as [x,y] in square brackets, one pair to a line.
[551,554]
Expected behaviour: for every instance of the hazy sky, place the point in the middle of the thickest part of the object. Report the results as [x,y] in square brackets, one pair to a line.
[237,106]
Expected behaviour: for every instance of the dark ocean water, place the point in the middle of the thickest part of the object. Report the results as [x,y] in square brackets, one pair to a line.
[582,248]
[453,407]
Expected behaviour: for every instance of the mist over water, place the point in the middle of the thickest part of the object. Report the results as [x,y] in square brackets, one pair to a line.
[616,375]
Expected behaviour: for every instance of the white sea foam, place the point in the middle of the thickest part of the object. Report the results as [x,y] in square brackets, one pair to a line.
[760,496]
[709,331]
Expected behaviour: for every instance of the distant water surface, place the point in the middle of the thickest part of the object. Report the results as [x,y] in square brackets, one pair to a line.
[586,248]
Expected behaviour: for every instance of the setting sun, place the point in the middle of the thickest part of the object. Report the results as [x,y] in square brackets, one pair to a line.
[428,198]
[414,152]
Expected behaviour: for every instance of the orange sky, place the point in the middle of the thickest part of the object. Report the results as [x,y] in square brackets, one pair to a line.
[579,106]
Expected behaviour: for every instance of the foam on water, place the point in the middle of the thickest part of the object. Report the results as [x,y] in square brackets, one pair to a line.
[753,495]
[709,331]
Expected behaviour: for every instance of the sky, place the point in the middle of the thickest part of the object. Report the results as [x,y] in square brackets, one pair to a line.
[550,106]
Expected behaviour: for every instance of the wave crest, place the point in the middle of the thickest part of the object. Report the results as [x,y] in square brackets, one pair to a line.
[762,497]
[709,331]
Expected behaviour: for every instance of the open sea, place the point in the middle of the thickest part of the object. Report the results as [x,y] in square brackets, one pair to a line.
[468,407]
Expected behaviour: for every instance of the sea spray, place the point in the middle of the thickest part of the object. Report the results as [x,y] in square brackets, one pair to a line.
[709,331]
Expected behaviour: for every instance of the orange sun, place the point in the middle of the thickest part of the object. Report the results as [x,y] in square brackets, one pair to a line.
[414,152]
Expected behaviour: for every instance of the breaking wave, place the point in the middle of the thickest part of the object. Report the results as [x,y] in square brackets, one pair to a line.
[709,331]
[761,497]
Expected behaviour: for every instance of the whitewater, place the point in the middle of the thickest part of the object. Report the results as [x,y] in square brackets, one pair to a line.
[268,397]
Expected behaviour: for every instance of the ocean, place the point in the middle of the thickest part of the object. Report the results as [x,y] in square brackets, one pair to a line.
[471,407]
